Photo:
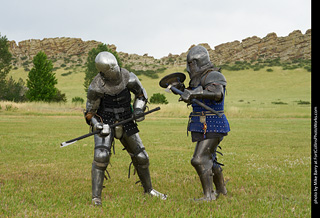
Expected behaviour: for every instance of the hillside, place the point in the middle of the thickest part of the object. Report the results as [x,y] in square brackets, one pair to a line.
[266,156]
[67,52]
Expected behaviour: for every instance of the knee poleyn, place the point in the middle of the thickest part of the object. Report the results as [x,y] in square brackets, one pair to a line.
[196,161]
[202,165]
[101,156]
[141,160]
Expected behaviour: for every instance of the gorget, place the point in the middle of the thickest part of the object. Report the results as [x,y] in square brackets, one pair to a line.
[195,79]
[101,85]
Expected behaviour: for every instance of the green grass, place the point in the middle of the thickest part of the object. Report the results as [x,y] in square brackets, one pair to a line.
[266,155]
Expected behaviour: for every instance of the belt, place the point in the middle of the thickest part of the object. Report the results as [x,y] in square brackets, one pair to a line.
[203,113]
[116,110]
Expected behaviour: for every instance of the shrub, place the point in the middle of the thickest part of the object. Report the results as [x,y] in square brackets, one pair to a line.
[59,97]
[66,74]
[158,98]
[9,107]
[278,102]
[77,100]
[303,102]
[14,90]
[153,74]
[308,68]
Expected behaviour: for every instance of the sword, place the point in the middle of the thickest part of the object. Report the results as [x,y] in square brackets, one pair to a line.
[71,141]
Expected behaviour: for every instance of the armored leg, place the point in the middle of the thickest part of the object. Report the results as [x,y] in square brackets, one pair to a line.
[203,163]
[101,160]
[218,180]
[139,157]
[140,160]
[97,176]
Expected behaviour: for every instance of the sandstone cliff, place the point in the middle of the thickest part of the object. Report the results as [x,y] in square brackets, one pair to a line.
[73,51]
[294,46]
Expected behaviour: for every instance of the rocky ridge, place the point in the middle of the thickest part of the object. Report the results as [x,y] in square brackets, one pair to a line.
[66,52]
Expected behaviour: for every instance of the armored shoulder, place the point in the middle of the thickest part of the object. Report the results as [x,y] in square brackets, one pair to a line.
[125,75]
[134,85]
[94,90]
[213,77]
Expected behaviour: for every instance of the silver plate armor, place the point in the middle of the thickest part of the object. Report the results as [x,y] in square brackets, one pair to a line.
[109,99]
[208,84]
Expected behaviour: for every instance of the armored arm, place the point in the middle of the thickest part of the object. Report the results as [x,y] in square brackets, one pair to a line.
[212,92]
[212,87]
[141,97]
[92,105]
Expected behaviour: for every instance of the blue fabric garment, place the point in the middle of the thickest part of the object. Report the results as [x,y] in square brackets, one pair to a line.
[213,122]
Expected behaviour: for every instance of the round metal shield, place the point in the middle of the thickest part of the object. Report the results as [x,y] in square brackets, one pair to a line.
[172,78]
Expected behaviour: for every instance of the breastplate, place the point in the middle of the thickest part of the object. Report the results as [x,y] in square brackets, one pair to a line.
[115,108]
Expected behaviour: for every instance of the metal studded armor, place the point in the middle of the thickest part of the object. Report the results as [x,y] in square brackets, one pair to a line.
[208,85]
[108,102]
[203,121]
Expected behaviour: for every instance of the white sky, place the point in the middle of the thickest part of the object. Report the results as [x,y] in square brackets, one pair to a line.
[154,27]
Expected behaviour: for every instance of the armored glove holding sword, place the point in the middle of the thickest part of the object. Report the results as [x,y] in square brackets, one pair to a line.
[108,102]
[208,123]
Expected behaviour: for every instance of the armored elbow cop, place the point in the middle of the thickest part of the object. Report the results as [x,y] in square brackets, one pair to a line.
[139,107]
[140,103]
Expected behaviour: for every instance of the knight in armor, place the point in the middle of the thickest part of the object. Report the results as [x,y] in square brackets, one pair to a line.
[208,85]
[108,102]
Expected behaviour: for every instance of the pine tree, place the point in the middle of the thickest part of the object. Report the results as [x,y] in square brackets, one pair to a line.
[41,80]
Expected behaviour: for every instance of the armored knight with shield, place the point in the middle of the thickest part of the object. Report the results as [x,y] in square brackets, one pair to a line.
[207,122]
[109,102]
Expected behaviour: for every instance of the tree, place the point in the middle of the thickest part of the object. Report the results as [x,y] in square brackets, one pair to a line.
[91,70]
[14,91]
[10,90]
[5,63]
[41,81]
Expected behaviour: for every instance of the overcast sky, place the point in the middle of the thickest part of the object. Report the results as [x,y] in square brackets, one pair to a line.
[154,27]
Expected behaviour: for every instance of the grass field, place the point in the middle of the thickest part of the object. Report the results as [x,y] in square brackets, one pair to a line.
[266,155]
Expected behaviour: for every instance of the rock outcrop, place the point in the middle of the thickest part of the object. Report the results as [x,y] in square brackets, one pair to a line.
[294,46]
[70,51]
[52,47]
